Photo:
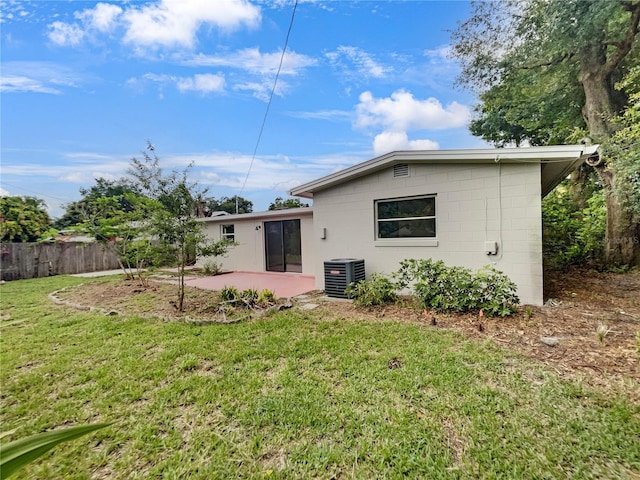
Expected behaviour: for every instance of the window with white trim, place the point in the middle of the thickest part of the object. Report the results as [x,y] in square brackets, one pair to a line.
[409,217]
[228,232]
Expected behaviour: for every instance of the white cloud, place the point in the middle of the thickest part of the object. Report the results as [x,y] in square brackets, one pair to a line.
[174,23]
[262,90]
[17,83]
[263,67]
[65,34]
[203,83]
[37,77]
[83,168]
[252,60]
[102,18]
[443,53]
[365,65]
[164,23]
[86,177]
[401,111]
[388,141]
[329,115]
[268,172]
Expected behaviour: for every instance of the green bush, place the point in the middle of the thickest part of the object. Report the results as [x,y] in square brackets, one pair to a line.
[210,268]
[230,294]
[378,290]
[572,234]
[266,297]
[458,289]
[249,297]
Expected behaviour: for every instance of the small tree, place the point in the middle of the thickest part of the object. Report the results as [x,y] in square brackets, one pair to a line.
[120,224]
[172,220]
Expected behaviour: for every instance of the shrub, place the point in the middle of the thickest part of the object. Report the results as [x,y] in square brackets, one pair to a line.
[210,268]
[140,254]
[378,290]
[249,297]
[230,294]
[266,297]
[458,289]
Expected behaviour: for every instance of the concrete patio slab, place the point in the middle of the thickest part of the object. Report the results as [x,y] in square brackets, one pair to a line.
[284,285]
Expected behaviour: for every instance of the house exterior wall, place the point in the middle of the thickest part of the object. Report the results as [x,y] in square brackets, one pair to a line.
[249,253]
[474,203]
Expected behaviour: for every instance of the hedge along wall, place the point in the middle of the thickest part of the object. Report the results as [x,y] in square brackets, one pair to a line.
[34,260]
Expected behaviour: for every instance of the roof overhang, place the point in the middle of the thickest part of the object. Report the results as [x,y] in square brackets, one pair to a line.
[269,214]
[556,163]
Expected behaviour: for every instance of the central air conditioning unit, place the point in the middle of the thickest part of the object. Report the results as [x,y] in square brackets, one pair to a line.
[339,273]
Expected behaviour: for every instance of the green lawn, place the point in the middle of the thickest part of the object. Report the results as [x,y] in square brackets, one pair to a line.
[297,395]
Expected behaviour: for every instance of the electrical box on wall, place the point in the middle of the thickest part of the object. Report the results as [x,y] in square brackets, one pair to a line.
[491,247]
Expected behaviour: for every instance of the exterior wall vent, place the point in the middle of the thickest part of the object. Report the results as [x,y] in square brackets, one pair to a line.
[400,170]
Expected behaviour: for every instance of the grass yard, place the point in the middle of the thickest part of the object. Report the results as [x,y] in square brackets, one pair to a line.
[296,395]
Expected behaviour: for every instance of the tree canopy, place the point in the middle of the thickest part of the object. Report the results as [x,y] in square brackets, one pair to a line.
[23,219]
[555,71]
[89,205]
[279,203]
[228,204]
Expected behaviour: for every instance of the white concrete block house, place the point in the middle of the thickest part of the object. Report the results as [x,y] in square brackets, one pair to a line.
[465,207]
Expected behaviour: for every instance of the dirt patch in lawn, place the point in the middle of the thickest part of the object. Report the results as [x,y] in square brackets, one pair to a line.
[588,328]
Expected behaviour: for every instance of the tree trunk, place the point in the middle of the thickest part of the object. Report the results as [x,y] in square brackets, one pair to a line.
[622,236]
[622,240]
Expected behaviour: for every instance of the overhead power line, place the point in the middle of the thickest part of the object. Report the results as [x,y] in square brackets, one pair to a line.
[266,113]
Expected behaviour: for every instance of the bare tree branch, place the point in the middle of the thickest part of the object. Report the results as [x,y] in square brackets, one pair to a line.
[555,61]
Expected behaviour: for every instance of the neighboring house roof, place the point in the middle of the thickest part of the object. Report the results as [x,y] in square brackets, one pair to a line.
[73,238]
[287,212]
[556,163]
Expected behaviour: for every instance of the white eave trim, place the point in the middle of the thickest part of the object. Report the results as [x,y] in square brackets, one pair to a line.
[570,153]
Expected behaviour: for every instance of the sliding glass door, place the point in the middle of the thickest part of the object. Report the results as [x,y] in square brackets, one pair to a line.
[283,244]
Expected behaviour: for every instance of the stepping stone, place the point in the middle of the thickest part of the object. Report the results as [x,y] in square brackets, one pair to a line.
[309,306]
[550,341]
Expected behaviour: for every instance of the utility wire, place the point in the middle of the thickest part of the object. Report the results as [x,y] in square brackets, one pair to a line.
[266,113]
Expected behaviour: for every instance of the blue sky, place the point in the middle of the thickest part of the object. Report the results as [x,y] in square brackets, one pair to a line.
[85,84]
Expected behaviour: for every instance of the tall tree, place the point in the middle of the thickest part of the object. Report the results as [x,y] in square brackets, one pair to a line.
[624,152]
[78,212]
[279,203]
[23,219]
[235,204]
[546,72]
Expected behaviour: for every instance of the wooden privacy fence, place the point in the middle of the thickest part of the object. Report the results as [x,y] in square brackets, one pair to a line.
[33,260]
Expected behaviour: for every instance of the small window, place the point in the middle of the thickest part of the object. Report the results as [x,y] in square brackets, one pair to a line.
[228,232]
[413,217]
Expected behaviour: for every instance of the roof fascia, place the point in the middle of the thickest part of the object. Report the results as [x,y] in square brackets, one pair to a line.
[287,212]
[569,153]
